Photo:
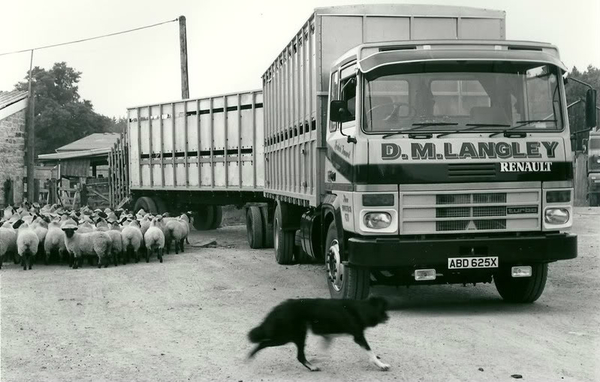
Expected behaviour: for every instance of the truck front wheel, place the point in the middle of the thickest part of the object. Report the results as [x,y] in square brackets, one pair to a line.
[343,281]
[522,289]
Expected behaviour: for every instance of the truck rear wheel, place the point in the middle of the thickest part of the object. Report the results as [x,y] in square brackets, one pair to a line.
[147,204]
[522,289]
[284,240]
[254,227]
[160,205]
[217,217]
[343,281]
[204,218]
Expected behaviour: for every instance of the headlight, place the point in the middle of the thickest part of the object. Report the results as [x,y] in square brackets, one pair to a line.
[556,216]
[558,196]
[598,160]
[377,220]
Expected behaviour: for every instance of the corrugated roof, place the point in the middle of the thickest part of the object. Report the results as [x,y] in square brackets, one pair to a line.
[91,142]
[73,154]
[8,98]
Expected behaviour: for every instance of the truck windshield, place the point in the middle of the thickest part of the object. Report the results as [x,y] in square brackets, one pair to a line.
[462,96]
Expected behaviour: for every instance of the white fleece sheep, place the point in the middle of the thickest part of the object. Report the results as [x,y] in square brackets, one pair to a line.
[115,238]
[85,227]
[86,244]
[27,245]
[40,227]
[178,230]
[8,242]
[132,240]
[145,223]
[154,239]
[55,241]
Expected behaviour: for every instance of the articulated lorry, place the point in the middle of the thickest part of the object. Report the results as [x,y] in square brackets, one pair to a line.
[398,144]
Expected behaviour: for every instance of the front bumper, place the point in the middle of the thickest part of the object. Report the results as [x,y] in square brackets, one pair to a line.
[434,253]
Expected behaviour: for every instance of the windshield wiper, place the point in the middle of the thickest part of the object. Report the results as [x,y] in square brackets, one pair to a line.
[417,126]
[521,124]
[473,126]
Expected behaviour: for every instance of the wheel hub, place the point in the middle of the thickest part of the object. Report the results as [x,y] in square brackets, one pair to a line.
[335,268]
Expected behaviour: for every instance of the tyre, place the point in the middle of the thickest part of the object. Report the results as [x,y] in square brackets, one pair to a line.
[145,203]
[522,289]
[269,238]
[217,217]
[284,240]
[594,199]
[343,281]
[254,227]
[160,205]
[204,218]
[302,257]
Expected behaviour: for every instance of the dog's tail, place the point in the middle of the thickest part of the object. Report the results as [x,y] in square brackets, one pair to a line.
[257,334]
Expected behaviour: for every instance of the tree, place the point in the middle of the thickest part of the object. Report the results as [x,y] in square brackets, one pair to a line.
[575,92]
[61,116]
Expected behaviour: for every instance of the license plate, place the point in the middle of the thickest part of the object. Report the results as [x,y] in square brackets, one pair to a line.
[473,262]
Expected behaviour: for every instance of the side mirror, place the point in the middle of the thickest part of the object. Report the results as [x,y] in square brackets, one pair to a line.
[338,111]
[590,108]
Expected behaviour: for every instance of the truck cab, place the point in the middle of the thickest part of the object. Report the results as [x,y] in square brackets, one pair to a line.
[447,162]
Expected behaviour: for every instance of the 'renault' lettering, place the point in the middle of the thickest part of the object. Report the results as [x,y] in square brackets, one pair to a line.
[470,150]
[525,166]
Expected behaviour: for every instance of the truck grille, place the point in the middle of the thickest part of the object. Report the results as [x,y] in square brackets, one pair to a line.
[426,212]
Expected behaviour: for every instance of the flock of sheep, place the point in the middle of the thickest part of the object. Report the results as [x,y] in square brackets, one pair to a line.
[42,233]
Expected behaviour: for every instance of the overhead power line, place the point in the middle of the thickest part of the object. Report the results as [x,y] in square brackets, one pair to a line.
[88,39]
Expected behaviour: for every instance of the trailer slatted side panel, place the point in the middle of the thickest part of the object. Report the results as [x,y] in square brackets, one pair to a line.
[290,125]
[202,144]
[296,83]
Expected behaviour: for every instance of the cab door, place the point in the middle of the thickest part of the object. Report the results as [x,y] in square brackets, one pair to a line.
[339,166]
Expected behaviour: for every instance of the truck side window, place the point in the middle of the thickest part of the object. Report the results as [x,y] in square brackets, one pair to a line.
[334,96]
[348,88]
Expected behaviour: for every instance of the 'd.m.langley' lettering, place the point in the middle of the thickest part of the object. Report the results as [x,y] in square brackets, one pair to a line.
[471,150]
[526,167]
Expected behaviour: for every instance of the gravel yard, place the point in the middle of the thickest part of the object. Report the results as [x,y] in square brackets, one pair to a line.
[187,319]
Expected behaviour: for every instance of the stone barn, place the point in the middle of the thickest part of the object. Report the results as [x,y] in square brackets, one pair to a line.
[13,107]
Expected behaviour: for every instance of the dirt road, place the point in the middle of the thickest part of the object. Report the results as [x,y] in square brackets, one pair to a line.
[187,319]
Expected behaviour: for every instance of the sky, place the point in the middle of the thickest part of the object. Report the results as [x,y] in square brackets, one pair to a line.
[230,42]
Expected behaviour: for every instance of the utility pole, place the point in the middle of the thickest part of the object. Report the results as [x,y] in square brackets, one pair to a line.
[30,146]
[185,87]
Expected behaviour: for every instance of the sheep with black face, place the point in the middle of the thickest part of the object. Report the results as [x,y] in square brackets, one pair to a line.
[86,244]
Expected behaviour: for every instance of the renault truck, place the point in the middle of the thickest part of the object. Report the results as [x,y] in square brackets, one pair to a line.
[396,144]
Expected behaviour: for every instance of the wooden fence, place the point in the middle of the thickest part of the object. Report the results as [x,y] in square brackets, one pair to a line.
[118,173]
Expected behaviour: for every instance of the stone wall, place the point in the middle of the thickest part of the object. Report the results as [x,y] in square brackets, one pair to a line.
[12,155]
